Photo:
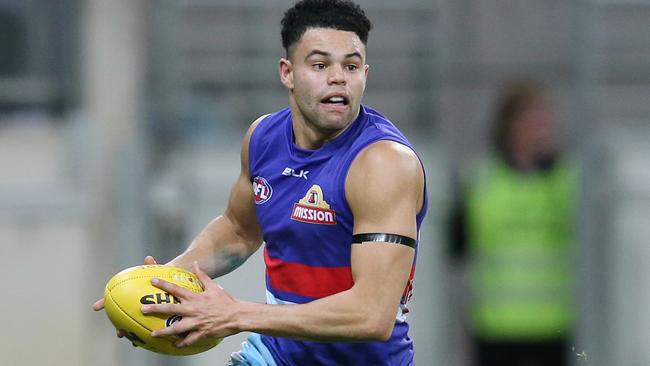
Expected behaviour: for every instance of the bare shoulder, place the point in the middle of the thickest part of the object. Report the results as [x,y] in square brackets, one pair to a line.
[385,171]
[388,161]
[247,138]
[253,125]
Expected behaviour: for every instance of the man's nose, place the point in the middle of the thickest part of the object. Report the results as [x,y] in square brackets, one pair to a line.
[336,75]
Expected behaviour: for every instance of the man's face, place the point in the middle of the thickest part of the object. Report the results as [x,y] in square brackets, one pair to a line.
[326,76]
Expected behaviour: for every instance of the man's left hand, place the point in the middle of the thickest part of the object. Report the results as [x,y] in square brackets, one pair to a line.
[204,314]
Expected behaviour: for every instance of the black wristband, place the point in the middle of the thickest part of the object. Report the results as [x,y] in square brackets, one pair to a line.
[383,237]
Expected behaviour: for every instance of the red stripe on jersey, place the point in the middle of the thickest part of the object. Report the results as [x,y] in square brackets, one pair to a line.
[305,280]
[408,291]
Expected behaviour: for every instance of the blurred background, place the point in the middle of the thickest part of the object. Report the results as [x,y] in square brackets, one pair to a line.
[121,123]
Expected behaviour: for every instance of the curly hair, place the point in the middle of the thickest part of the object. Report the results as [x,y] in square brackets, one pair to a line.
[335,14]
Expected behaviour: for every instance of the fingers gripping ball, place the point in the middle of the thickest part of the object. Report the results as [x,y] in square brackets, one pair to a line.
[128,290]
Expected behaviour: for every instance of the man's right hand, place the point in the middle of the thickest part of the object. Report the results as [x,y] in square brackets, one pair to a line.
[99,304]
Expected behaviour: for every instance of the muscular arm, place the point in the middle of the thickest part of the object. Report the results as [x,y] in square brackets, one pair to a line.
[228,240]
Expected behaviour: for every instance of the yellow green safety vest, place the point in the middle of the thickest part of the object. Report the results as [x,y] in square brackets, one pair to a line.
[521,238]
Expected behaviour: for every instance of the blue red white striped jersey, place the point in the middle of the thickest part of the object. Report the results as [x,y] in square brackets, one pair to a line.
[307,227]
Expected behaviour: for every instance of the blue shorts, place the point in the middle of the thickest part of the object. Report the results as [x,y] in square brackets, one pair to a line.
[253,353]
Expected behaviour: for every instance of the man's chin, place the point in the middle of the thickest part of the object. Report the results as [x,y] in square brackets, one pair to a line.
[336,123]
[340,118]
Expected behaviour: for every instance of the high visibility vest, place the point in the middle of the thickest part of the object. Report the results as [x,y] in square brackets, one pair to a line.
[521,237]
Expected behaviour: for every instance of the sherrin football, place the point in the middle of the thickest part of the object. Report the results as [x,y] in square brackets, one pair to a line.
[131,288]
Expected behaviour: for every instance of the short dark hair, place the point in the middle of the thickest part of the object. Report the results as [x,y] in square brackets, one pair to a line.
[335,14]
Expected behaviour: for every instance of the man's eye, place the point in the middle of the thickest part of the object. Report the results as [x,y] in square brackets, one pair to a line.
[318,66]
[352,67]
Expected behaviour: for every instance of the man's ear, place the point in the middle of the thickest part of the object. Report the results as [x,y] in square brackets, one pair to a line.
[366,68]
[285,68]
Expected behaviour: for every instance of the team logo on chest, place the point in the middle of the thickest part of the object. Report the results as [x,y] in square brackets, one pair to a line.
[262,190]
[313,208]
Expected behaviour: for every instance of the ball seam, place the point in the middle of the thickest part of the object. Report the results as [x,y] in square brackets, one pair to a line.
[127,314]
[164,277]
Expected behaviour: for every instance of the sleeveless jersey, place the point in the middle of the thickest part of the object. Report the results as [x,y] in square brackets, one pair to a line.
[307,227]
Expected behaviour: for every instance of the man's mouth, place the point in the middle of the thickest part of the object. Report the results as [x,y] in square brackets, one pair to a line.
[336,100]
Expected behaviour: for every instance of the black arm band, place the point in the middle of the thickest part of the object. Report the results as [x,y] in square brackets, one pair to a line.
[385,238]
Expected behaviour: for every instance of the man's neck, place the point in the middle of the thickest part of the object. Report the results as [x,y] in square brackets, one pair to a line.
[308,136]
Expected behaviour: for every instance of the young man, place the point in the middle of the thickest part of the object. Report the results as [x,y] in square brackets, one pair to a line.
[337,195]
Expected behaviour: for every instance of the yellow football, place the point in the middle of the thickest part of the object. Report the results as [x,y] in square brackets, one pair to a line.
[131,288]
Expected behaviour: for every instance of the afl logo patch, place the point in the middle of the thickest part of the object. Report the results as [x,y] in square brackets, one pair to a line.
[262,190]
[313,209]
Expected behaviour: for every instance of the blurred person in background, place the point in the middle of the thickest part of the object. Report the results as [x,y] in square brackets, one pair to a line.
[337,195]
[513,234]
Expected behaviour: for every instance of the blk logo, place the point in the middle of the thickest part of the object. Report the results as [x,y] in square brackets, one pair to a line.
[262,190]
[288,172]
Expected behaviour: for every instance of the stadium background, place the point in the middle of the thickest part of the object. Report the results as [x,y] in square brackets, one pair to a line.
[121,121]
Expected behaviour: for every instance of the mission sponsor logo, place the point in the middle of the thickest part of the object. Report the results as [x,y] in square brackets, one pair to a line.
[313,209]
[262,190]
